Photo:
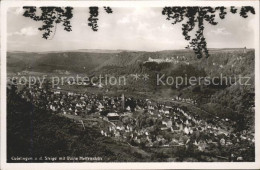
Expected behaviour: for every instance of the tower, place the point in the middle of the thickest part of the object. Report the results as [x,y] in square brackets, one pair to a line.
[123,101]
[244,50]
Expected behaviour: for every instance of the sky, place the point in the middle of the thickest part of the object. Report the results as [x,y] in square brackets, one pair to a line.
[142,29]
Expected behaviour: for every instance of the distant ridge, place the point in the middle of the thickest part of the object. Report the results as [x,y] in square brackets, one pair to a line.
[117,61]
[79,50]
[121,50]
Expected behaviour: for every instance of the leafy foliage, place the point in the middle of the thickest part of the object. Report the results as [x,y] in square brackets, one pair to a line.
[51,16]
[198,15]
[93,18]
[93,11]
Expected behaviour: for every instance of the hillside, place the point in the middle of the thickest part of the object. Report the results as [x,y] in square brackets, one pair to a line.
[29,129]
[222,62]
[89,61]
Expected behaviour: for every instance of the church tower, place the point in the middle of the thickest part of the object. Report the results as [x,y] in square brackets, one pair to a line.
[123,101]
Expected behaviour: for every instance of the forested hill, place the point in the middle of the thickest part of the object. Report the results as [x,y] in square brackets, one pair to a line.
[131,61]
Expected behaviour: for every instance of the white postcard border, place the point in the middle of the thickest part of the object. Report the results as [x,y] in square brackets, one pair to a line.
[158,165]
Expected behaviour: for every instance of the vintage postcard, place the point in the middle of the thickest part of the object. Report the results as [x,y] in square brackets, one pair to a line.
[130,84]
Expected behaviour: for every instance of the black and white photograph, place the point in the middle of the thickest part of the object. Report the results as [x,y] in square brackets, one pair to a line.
[144,83]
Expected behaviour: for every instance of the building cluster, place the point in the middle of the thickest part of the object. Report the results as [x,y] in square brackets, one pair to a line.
[175,60]
[186,100]
[147,123]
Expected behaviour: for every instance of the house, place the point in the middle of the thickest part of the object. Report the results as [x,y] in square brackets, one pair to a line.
[56,92]
[100,107]
[129,128]
[167,123]
[202,145]
[70,93]
[149,111]
[100,86]
[52,108]
[128,108]
[113,116]
[150,107]
[159,138]
[166,112]
[174,142]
